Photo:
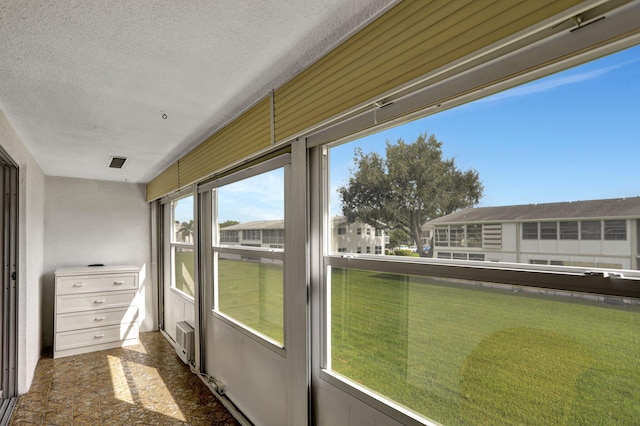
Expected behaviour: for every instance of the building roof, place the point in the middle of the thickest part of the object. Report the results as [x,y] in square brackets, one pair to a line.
[256,224]
[591,209]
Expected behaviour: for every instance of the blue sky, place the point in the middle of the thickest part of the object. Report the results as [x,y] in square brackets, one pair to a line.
[574,135]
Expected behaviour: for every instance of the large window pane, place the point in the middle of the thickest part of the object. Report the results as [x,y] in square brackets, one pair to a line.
[250,291]
[251,211]
[182,213]
[548,230]
[181,242]
[468,353]
[250,281]
[460,353]
[471,166]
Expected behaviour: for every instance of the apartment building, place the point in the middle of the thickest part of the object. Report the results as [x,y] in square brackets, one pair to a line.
[592,234]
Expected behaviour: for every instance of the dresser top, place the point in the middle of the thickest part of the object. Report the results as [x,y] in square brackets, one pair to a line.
[90,270]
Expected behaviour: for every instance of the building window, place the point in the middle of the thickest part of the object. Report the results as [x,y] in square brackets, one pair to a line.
[442,236]
[538,262]
[456,236]
[368,249]
[474,236]
[342,250]
[358,231]
[590,230]
[444,255]
[227,236]
[548,230]
[273,236]
[251,235]
[342,231]
[569,230]
[359,250]
[182,250]
[368,230]
[378,250]
[615,229]
[476,256]
[378,232]
[530,231]
[460,256]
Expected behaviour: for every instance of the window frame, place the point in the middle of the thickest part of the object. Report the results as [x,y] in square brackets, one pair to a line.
[282,161]
[544,276]
[351,128]
[174,245]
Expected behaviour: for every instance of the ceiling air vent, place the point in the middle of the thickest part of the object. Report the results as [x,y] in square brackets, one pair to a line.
[117,162]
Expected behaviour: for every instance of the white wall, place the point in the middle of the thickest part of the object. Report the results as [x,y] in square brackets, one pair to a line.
[30,251]
[90,221]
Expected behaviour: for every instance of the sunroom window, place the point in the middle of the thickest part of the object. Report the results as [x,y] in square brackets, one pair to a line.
[182,251]
[248,249]
[461,332]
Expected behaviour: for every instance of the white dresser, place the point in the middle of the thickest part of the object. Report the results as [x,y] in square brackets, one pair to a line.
[96,308]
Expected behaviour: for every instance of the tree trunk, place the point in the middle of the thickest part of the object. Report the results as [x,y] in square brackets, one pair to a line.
[415,234]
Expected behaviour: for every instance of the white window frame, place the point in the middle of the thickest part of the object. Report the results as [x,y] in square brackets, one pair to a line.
[217,247]
[557,277]
[172,245]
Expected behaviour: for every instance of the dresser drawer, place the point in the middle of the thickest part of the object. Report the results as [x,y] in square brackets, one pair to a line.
[85,302]
[88,284]
[98,318]
[95,336]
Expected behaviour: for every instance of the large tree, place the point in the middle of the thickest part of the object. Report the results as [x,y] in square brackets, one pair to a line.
[412,185]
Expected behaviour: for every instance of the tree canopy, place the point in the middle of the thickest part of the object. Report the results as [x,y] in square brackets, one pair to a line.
[412,185]
[186,231]
[228,223]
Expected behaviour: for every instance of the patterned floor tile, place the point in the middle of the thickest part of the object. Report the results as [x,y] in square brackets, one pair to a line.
[146,384]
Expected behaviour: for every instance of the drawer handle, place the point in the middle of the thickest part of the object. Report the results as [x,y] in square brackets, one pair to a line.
[99,336]
[118,282]
[78,285]
[99,301]
[99,318]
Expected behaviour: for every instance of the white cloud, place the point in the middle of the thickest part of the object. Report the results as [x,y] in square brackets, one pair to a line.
[551,83]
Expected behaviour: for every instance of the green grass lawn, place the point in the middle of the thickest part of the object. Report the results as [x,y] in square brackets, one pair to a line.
[251,292]
[184,271]
[461,354]
[464,355]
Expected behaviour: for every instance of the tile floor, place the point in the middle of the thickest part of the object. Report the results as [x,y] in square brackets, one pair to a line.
[143,384]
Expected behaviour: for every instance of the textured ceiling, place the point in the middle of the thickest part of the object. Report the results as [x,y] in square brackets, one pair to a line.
[81,81]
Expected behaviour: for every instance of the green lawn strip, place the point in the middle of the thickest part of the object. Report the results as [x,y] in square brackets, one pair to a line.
[184,260]
[251,292]
[429,346]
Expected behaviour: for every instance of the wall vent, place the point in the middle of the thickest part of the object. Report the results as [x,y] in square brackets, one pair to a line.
[117,162]
[185,341]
